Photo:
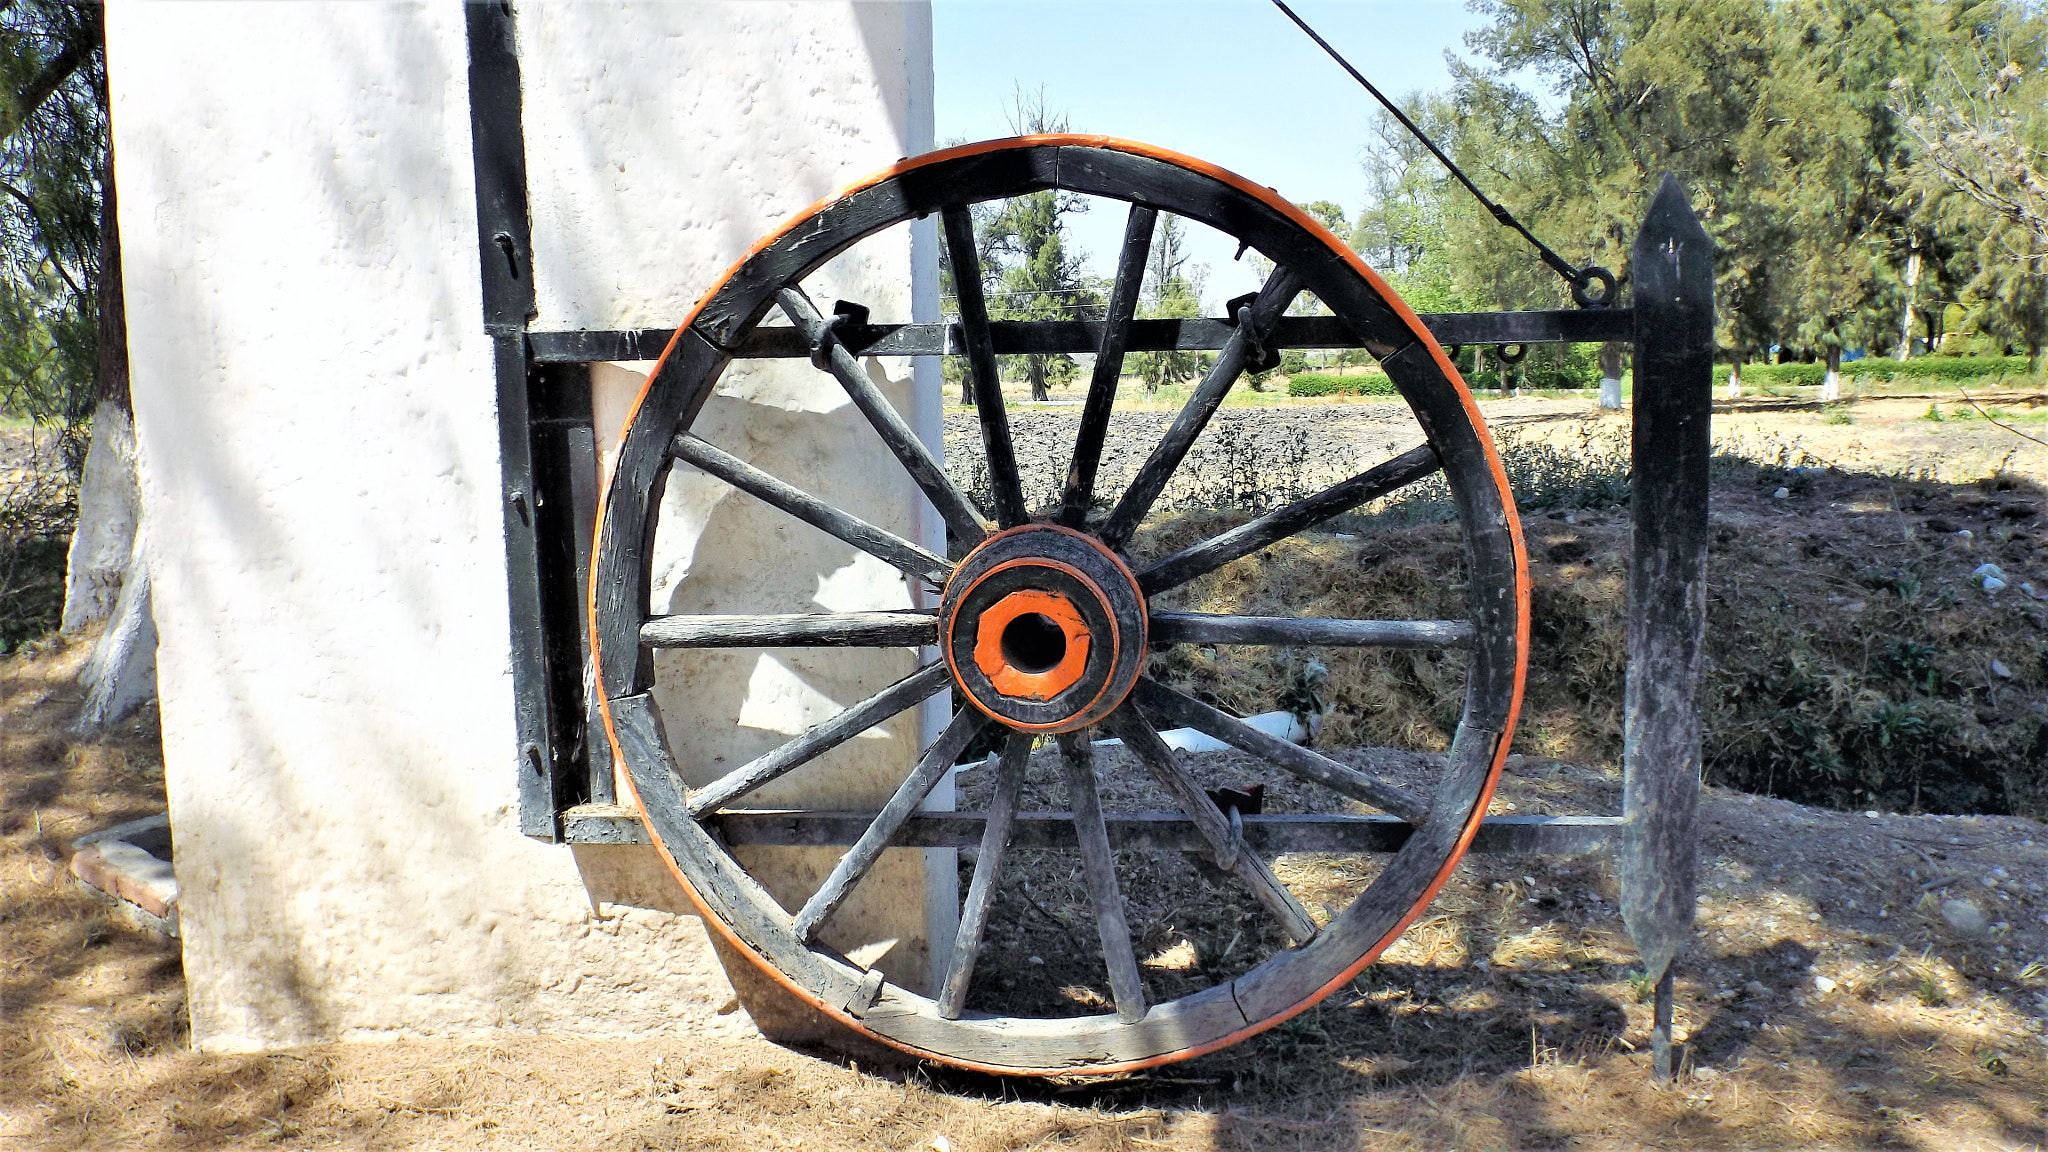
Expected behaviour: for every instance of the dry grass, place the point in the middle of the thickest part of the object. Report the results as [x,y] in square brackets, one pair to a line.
[1853,660]
[1510,1017]
[1507,1018]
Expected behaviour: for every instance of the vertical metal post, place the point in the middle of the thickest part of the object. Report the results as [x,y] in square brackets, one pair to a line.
[498,138]
[565,498]
[1673,270]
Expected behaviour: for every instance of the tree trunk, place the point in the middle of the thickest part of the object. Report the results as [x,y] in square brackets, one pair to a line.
[1912,290]
[109,509]
[109,501]
[121,674]
[1831,384]
[1610,374]
[1735,377]
[107,570]
[1035,369]
[2034,357]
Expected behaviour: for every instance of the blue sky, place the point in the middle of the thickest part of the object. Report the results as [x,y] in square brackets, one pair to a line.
[1230,81]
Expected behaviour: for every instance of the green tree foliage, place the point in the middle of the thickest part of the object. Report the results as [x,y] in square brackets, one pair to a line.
[1028,269]
[1172,290]
[1987,144]
[52,156]
[1039,278]
[1402,230]
[1784,121]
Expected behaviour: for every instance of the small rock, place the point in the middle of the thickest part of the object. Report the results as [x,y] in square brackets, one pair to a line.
[1993,584]
[1988,571]
[1824,983]
[1999,670]
[1034,959]
[1872,816]
[1965,917]
[1782,494]
[1704,1073]
[1756,988]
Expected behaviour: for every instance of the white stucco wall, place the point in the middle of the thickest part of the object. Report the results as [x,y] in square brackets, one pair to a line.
[316,430]
[691,131]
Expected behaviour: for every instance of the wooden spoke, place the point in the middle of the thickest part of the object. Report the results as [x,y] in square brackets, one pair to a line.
[1311,631]
[917,459]
[1228,847]
[981,368]
[1341,497]
[1279,291]
[988,865]
[797,630]
[938,760]
[880,543]
[915,688]
[1109,366]
[1171,707]
[1126,989]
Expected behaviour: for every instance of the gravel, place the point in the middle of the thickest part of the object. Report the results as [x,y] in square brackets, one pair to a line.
[1246,456]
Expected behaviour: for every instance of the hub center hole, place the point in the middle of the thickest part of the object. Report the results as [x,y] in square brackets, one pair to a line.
[1033,643]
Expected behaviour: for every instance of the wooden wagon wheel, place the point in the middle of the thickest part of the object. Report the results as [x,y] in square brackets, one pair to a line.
[1042,625]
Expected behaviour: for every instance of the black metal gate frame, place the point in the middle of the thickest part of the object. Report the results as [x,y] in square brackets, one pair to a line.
[550,487]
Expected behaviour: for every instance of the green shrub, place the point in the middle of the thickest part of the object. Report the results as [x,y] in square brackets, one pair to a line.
[1325,384]
[36,518]
[1562,366]
[1933,369]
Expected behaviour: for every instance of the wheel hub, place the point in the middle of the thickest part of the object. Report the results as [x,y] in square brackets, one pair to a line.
[1043,628]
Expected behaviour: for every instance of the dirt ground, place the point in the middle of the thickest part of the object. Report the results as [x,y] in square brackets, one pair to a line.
[1829,1001]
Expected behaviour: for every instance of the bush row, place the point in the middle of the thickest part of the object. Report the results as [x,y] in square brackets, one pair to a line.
[1325,384]
[1943,369]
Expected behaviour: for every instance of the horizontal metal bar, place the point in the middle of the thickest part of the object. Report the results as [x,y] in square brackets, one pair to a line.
[1012,337]
[593,346]
[1268,834]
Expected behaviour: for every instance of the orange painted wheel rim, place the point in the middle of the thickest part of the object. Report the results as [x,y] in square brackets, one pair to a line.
[625,521]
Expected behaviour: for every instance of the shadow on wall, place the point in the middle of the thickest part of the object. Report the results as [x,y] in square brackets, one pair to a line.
[320,439]
[719,550]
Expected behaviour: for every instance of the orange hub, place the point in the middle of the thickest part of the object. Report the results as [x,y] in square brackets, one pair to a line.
[1043,628]
[1032,644]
